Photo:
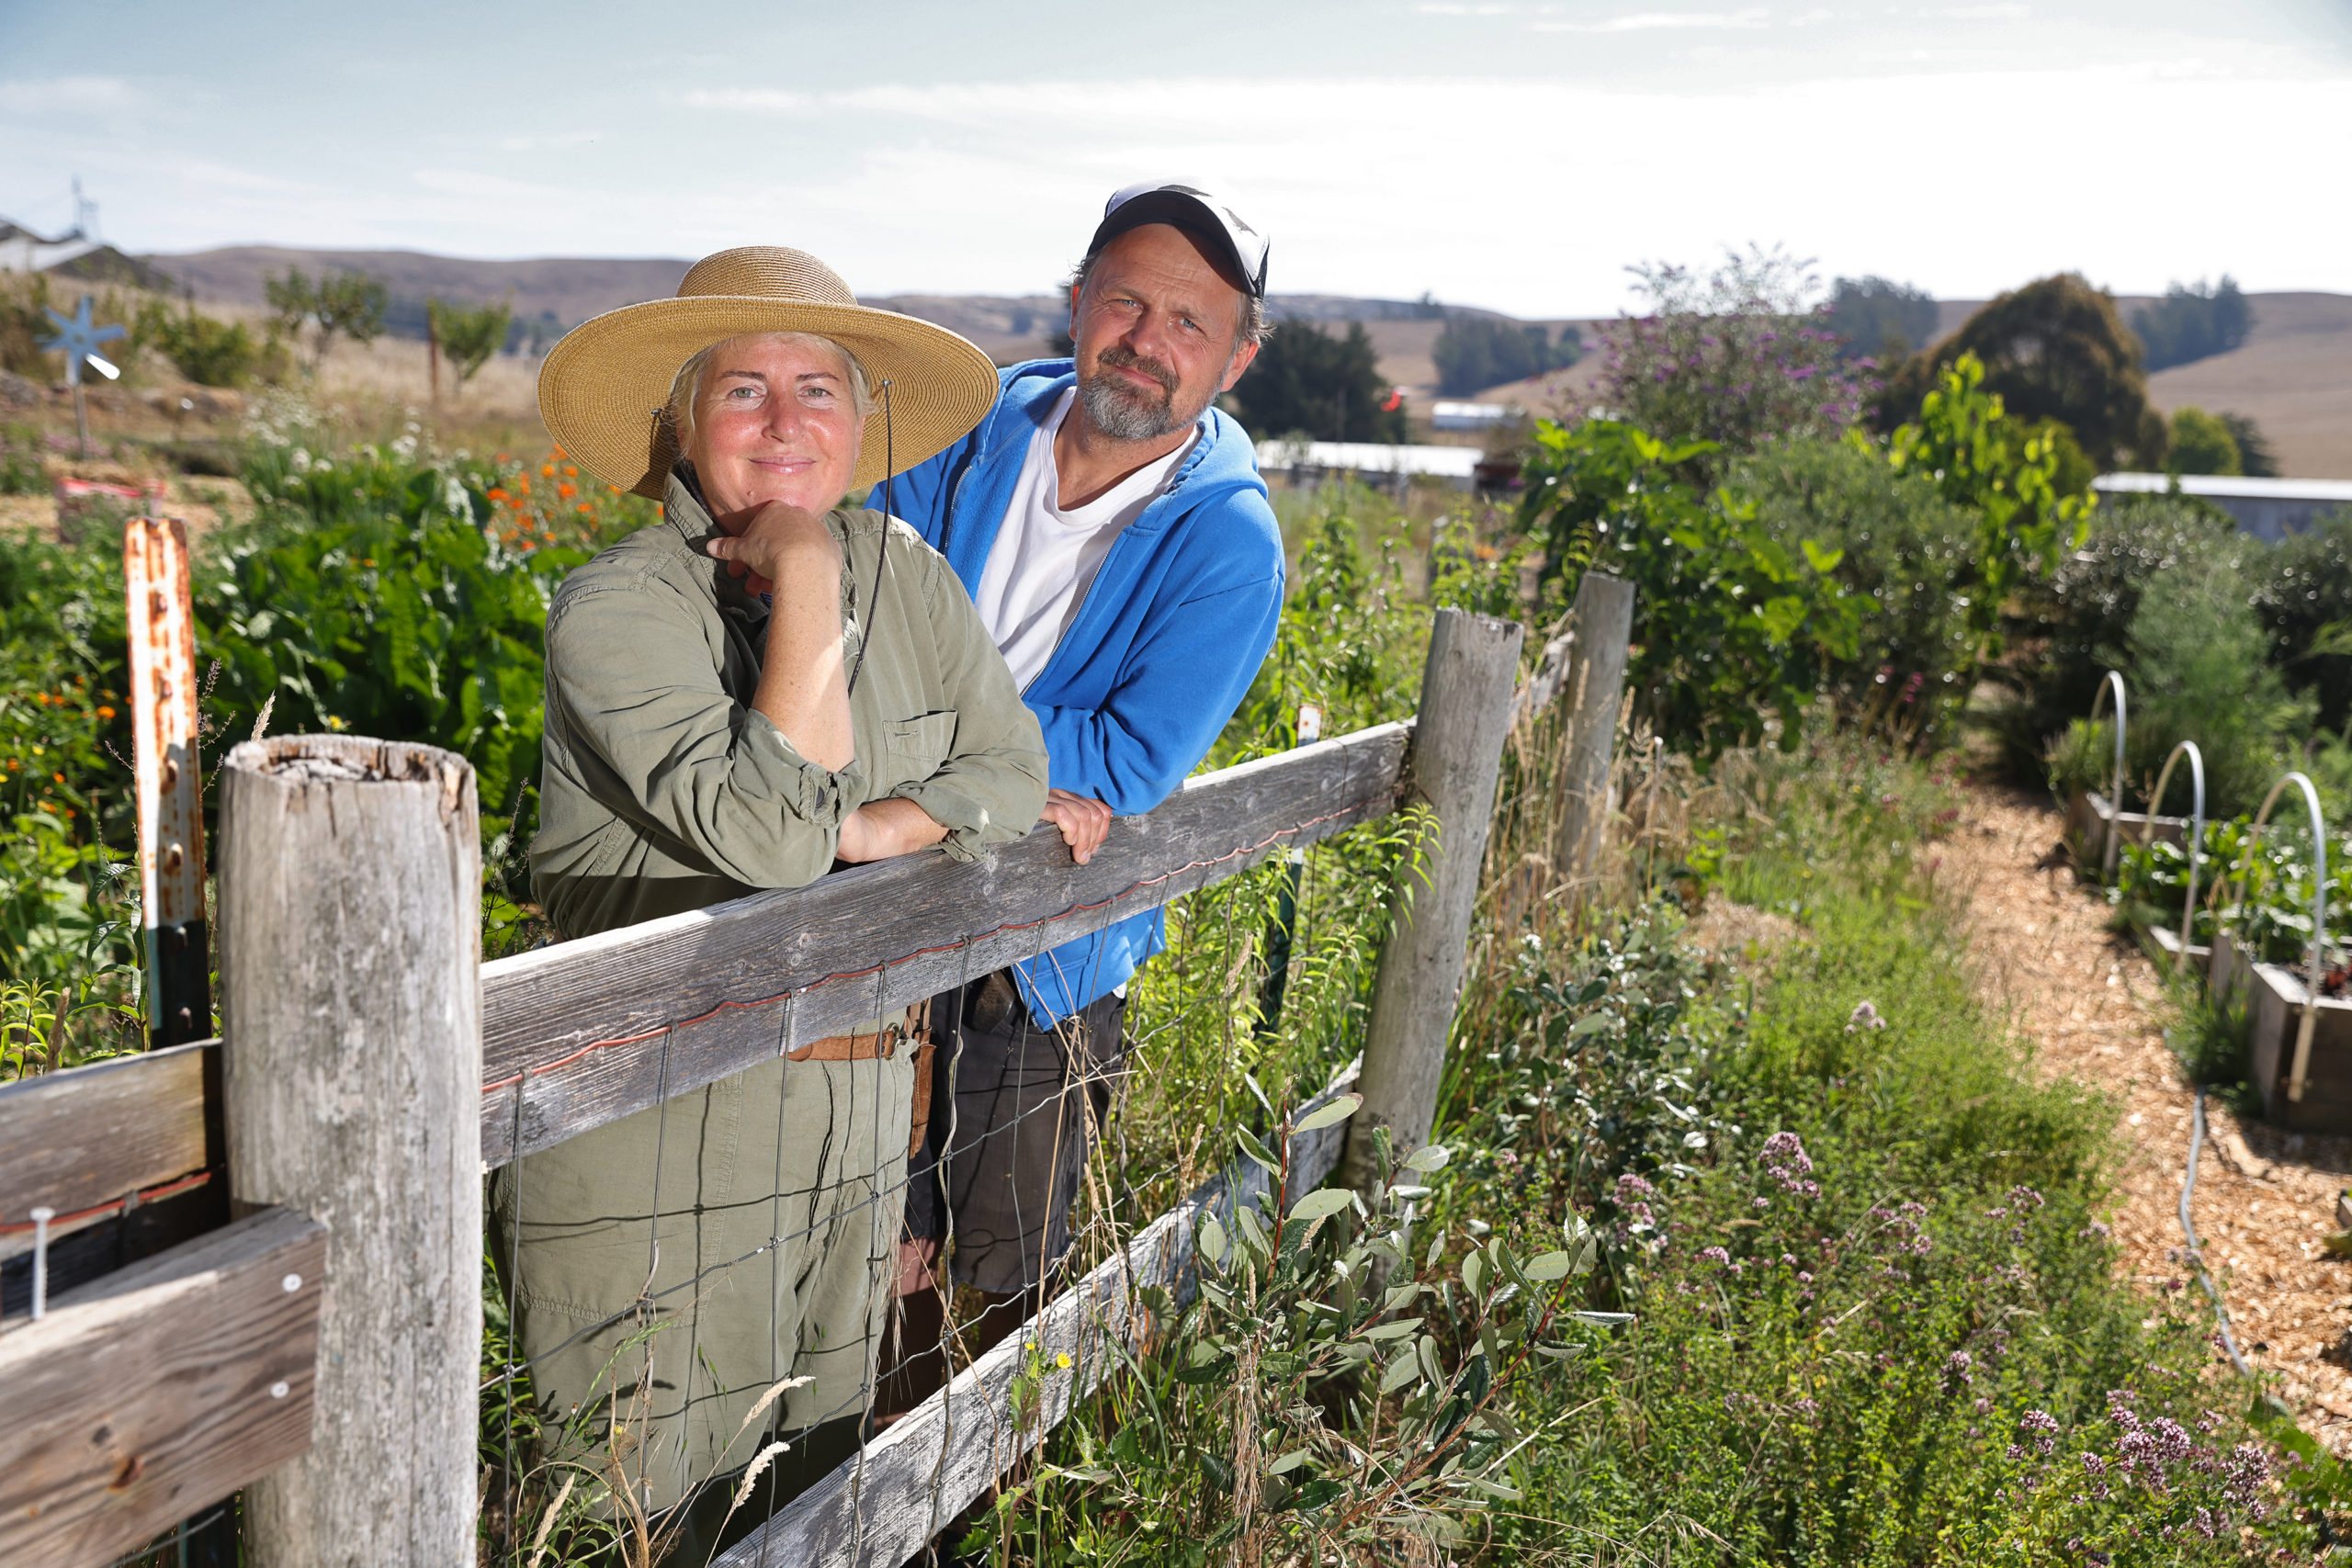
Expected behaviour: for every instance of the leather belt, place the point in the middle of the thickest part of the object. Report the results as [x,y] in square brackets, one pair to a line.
[884,1044]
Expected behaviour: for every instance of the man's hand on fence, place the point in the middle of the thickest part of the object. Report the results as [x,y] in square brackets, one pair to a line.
[1084,823]
[887,828]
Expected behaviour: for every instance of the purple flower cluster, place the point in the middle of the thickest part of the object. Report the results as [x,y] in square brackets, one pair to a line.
[2044,1427]
[1786,1162]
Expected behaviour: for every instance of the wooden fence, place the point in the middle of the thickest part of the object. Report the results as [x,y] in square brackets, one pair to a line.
[322,1350]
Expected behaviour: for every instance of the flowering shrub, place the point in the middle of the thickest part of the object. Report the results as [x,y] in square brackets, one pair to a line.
[1742,357]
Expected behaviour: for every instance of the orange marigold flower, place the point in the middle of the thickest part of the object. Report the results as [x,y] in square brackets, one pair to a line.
[59,777]
[583,509]
[523,483]
[559,454]
[566,491]
[569,473]
[547,470]
[104,712]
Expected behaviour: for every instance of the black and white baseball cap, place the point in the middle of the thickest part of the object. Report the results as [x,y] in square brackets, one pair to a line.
[1196,212]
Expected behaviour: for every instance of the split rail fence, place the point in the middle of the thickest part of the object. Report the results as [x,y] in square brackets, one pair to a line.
[315,1339]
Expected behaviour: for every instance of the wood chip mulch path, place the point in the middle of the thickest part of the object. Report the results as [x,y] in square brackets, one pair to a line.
[2094,1008]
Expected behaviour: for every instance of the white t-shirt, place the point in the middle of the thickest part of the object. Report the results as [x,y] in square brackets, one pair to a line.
[1044,557]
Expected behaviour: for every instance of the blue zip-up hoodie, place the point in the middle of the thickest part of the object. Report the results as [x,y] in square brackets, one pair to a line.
[1172,632]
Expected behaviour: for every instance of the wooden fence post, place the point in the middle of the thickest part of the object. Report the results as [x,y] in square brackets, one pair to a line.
[1466,714]
[1602,622]
[349,904]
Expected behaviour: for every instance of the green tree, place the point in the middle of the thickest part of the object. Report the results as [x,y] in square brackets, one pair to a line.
[2193,322]
[2256,459]
[1477,352]
[2053,349]
[1884,320]
[349,304]
[467,335]
[2202,443]
[1305,380]
[1982,458]
[208,352]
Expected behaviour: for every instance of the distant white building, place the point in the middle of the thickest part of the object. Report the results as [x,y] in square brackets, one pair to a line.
[1470,416]
[2269,509]
[1370,458]
[21,250]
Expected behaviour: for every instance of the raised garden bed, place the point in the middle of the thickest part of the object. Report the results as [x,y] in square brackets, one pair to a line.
[2089,815]
[2274,1000]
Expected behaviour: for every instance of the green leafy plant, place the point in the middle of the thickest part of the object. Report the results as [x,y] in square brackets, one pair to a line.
[1337,1381]
[1979,460]
[468,334]
[1732,627]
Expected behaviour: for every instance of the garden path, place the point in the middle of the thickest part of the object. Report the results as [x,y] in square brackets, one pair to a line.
[2093,1005]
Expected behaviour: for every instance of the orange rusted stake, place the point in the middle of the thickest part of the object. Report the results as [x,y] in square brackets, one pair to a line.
[171,816]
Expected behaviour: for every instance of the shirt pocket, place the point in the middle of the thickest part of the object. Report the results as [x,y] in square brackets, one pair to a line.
[919,745]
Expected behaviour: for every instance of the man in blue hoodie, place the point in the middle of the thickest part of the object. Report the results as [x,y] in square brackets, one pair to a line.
[1110,525]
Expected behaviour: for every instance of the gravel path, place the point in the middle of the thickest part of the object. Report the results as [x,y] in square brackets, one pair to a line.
[2093,1005]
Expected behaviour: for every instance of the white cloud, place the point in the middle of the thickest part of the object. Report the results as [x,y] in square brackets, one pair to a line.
[69,96]
[747,100]
[1653,21]
[2003,13]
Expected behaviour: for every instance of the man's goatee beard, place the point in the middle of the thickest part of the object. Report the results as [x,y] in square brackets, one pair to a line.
[1121,413]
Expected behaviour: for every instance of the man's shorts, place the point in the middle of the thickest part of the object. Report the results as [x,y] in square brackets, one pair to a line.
[1014,1108]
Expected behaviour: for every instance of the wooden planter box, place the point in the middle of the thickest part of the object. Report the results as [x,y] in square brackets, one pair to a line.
[2088,817]
[2168,940]
[2274,996]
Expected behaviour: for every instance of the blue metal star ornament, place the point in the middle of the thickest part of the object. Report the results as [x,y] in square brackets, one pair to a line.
[79,338]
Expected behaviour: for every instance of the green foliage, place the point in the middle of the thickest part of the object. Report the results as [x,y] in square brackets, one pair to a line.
[2195,653]
[1740,358]
[372,599]
[2302,591]
[2255,457]
[1342,1380]
[210,353]
[1477,352]
[20,467]
[1731,626]
[350,304]
[1305,382]
[2261,888]
[2053,349]
[1904,552]
[2193,322]
[1882,320]
[1978,458]
[469,335]
[2201,443]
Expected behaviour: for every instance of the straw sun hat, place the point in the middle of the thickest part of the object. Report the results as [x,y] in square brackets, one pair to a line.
[602,388]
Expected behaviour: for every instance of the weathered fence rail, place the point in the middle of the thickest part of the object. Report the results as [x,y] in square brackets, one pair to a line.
[573,1036]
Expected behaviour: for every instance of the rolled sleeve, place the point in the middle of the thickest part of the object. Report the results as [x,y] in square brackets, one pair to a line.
[991,786]
[661,744]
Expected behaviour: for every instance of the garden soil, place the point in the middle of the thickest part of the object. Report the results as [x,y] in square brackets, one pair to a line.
[2093,1005]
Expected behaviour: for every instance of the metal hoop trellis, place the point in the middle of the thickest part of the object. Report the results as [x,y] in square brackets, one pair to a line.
[2196,833]
[2114,683]
[2317,968]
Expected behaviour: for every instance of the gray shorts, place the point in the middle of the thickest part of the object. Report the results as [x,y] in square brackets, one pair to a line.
[1015,1110]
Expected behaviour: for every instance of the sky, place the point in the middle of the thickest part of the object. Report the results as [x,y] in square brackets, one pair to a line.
[1507,153]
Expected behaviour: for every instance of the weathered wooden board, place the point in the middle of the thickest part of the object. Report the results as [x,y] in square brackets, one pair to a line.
[162,1388]
[879,1509]
[869,939]
[79,1139]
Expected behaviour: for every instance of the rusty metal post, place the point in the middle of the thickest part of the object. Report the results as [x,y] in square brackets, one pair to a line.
[169,768]
[170,778]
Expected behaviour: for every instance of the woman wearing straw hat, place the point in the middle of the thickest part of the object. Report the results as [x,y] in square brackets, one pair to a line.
[765,682]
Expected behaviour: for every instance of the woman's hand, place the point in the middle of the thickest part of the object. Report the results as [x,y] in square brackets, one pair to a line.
[885,828]
[781,540]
